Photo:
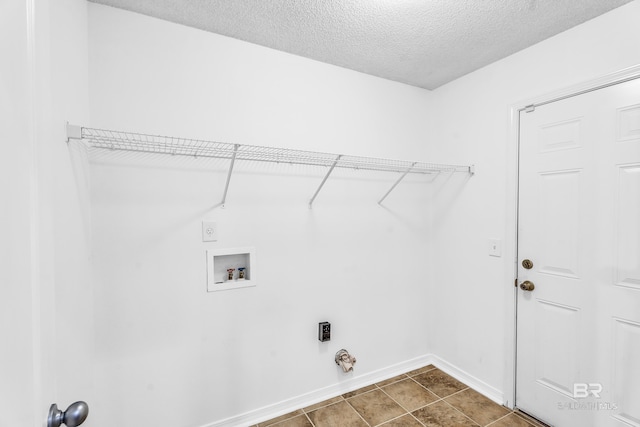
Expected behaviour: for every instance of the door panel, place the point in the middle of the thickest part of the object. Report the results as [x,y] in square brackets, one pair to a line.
[629,123]
[559,210]
[555,367]
[560,136]
[578,361]
[628,227]
[626,392]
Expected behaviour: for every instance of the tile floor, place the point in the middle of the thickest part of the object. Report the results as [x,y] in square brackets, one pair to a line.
[426,397]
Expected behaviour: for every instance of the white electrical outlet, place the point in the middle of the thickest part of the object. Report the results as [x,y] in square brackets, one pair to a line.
[209,231]
[495,247]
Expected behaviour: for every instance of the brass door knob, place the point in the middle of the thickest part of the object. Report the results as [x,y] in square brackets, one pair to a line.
[527,286]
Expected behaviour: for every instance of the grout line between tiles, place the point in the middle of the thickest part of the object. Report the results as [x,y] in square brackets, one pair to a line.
[395,401]
[403,378]
[419,422]
[495,421]
[363,393]
[457,410]
[400,377]
[440,399]
[390,419]
[428,404]
[309,419]
[457,392]
[421,371]
[424,387]
[407,412]
[305,411]
[354,410]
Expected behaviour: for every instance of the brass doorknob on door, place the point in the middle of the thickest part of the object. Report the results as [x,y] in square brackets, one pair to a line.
[527,286]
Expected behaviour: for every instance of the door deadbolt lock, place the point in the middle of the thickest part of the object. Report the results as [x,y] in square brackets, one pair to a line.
[527,286]
[528,264]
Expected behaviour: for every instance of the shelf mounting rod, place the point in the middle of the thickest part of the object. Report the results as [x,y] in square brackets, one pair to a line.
[226,186]
[396,183]
[335,162]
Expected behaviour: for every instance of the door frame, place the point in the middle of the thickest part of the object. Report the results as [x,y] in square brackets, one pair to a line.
[511,239]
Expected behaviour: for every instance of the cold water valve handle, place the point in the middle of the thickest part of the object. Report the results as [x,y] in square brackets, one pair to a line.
[75,415]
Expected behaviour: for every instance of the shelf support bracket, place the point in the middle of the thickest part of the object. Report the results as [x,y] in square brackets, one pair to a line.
[73,132]
[396,183]
[335,162]
[226,186]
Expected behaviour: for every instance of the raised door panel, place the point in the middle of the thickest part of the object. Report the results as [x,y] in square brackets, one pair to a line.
[559,221]
[556,366]
[627,236]
[626,372]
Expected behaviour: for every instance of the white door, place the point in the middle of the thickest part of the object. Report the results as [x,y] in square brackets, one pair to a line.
[578,330]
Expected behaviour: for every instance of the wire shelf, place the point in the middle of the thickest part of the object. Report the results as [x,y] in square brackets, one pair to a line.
[127,141]
[137,142]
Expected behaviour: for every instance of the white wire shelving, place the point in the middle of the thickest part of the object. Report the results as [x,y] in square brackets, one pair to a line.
[136,142]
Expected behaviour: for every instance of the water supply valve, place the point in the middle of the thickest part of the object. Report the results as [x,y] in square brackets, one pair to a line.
[345,360]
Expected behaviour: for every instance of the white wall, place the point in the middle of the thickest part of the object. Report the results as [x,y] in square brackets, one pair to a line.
[473,118]
[167,353]
[420,269]
[46,320]
[162,341]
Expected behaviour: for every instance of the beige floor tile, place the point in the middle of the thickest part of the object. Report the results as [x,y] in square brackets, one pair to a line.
[359,391]
[421,370]
[376,407]
[337,415]
[440,383]
[424,397]
[404,421]
[299,421]
[511,420]
[441,414]
[409,394]
[477,407]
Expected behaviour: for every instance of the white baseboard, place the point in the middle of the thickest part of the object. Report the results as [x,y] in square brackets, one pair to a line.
[319,395]
[473,382]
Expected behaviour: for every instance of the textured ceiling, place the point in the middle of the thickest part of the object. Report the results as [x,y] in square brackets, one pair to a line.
[424,43]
